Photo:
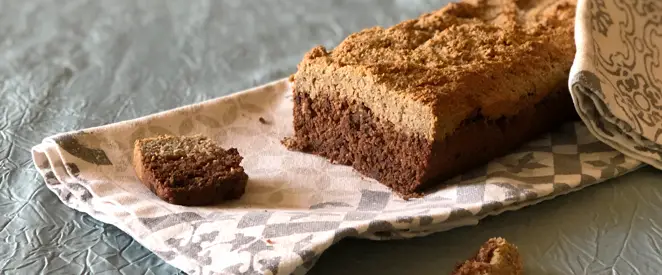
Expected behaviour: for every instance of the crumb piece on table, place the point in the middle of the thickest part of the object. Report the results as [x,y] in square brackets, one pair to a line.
[495,257]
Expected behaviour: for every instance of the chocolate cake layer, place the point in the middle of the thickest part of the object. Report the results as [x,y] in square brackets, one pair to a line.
[348,133]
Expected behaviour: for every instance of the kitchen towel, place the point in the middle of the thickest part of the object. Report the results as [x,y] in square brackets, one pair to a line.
[297,205]
[615,79]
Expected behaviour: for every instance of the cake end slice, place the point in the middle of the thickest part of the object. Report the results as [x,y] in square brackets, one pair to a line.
[189,171]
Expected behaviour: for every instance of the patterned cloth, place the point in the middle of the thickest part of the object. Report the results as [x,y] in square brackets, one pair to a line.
[297,205]
[616,80]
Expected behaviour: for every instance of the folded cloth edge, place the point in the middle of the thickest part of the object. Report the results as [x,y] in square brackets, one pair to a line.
[586,90]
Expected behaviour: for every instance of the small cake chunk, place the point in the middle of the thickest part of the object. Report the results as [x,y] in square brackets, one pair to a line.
[189,171]
[495,257]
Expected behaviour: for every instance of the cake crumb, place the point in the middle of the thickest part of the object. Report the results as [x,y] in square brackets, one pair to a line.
[495,257]
[292,144]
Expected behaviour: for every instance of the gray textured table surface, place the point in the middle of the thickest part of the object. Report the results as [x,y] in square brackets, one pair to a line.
[67,65]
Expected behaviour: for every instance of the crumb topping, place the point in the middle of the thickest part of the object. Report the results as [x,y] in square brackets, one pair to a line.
[463,34]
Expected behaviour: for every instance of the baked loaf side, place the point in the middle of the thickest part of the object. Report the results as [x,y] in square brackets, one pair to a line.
[427,75]
[348,133]
[431,97]
[495,257]
[189,170]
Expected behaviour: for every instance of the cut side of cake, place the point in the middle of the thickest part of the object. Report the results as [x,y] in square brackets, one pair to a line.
[495,257]
[190,171]
[429,98]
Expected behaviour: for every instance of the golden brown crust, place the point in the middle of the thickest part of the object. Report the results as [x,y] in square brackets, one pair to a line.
[429,74]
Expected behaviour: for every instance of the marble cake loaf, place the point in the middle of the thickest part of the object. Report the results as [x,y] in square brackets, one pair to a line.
[426,99]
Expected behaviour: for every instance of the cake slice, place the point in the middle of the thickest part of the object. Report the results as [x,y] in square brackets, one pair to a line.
[495,257]
[189,170]
[429,98]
